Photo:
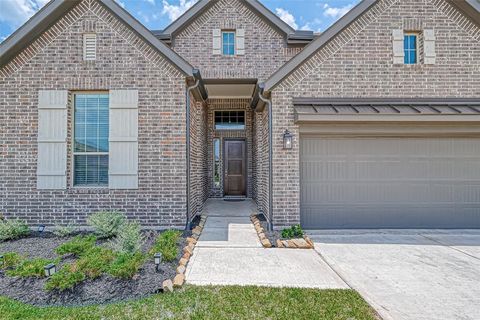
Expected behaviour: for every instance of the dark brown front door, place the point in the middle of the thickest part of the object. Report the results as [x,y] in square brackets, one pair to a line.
[234,183]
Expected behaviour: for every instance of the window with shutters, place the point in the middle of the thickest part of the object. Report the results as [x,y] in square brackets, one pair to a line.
[410,46]
[228,43]
[91,145]
[89,46]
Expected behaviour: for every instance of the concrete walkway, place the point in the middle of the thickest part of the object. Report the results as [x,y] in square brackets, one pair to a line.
[230,253]
[408,274]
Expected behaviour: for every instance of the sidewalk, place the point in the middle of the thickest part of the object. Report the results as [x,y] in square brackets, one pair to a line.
[230,253]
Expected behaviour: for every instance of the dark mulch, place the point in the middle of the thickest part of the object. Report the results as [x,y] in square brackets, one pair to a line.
[101,290]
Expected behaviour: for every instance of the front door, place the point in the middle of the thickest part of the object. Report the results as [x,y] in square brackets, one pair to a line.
[234,166]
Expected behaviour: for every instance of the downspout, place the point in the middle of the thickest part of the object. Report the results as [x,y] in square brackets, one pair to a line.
[188,90]
[268,102]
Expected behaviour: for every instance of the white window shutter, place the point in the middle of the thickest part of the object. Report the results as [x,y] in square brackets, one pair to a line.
[217,41]
[52,139]
[240,39]
[398,49]
[123,140]
[429,46]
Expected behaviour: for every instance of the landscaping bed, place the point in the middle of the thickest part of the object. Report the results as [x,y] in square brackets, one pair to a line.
[292,237]
[91,269]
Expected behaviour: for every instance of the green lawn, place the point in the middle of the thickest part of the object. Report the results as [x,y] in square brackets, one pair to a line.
[216,303]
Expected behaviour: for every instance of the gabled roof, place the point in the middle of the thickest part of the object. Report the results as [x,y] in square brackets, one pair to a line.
[471,8]
[201,6]
[55,9]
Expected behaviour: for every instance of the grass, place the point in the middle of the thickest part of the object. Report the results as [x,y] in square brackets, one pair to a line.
[218,303]
[30,268]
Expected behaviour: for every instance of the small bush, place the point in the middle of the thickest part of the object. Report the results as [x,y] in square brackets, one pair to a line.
[64,231]
[126,265]
[11,260]
[31,268]
[106,223]
[95,261]
[294,231]
[166,244]
[13,229]
[129,238]
[77,246]
[66,278]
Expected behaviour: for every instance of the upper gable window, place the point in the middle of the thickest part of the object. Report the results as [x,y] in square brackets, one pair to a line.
[228,43]
[410,45]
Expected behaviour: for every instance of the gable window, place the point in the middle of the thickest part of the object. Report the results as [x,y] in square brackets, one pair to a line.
[411,48]
[228,43]
[90,145]
[229,120]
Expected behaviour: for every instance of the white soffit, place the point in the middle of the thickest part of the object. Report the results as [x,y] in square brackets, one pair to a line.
[230,90]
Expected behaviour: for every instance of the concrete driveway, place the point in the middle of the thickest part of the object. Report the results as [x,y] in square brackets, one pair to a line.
[425,274]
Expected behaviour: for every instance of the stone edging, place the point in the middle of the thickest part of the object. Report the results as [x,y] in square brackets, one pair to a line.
[179,280]
[300,243]
[261,233]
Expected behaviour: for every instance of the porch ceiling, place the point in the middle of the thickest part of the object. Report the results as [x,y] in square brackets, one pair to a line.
[230,88]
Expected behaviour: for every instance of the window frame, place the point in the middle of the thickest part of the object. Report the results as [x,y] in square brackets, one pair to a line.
[417,47]
[234,42]
[226,129]
[75,153]
[219,140]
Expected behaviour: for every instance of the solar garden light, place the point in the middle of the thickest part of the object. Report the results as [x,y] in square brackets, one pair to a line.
[50,269]
[287,140]
[1,260]
[41,228]
[158,259]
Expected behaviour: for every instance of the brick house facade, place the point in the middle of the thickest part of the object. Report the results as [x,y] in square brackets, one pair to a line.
[185,82]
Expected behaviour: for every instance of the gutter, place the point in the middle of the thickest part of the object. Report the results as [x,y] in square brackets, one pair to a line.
[200,92]
[187,92]
[268,102]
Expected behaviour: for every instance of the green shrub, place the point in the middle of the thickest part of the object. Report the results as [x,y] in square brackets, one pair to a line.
[66,278]
[31,268]
[13,229]
[106,223]
[11,260]
[95,262]
[166,244]
[294,231]
[126,265]
[129,238]
[64,231]
[77,246]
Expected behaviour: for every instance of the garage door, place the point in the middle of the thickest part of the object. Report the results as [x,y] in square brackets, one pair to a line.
[390,182]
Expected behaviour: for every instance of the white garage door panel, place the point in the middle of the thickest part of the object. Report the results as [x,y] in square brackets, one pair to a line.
[390,182]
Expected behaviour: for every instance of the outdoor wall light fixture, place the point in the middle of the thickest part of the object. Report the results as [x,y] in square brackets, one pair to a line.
[50,269]
[287,140]
[158,259]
